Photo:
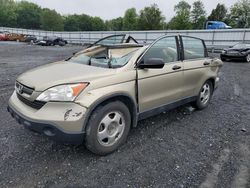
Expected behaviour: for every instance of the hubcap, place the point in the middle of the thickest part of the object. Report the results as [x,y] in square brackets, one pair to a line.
[205,94]
[111,128]
[248,58]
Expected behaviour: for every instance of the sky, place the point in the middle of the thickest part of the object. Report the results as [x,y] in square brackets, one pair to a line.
[109,9]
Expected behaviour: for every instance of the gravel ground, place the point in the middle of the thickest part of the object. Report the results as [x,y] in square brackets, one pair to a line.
[179,148]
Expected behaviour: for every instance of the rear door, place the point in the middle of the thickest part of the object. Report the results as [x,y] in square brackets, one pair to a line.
[196,65]
[158,87]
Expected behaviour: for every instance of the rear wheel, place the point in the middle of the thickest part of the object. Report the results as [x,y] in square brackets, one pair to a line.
[205,96]
[248,58]
[108,128]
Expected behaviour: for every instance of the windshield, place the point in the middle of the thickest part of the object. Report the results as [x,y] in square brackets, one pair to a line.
[241,45]
[117,39]
[104,57]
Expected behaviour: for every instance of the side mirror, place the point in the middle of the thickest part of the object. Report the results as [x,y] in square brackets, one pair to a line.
[152,63]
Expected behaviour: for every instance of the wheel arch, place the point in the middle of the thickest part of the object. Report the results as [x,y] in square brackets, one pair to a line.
[126,99]
[212,80]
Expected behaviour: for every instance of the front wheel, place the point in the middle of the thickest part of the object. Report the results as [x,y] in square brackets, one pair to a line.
[61,43]
[108,128]
[223,59]
[205,96]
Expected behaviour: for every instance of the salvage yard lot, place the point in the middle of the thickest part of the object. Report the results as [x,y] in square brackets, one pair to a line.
[179,148]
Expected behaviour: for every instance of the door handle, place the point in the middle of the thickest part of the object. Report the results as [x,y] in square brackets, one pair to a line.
[206,63]
[176,67]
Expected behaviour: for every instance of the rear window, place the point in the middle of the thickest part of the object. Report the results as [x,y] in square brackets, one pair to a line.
[193,48]
[241,46]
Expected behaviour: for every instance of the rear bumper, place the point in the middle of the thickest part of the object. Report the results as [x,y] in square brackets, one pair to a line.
[47,129]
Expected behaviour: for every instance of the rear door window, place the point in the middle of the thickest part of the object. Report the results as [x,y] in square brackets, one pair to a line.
[193,48]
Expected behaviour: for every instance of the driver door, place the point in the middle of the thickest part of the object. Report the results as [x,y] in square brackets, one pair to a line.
[160,87]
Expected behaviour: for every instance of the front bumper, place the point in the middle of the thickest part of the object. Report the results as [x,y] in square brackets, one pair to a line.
[233,57]
[62,122]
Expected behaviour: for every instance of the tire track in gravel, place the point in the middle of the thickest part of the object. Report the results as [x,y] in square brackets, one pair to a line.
[212,177]
[241,179]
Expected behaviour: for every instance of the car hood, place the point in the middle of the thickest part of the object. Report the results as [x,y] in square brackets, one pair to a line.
[236,49]
[46,76]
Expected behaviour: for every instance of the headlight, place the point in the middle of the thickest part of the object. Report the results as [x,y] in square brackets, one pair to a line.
[66,93]
[223,52]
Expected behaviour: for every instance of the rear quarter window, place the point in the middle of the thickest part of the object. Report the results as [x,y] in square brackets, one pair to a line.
[193,48]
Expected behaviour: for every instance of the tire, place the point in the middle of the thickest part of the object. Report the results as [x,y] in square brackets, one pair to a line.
[205,96]
[223,59]
[61,43]
[108,128]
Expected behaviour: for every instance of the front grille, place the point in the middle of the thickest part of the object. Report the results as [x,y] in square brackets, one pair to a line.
[35,104]
[20,88]
[233,52]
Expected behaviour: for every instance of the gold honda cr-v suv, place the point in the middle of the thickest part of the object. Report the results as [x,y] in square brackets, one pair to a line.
[96,96]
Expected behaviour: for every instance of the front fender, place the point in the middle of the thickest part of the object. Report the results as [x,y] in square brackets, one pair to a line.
[93,98]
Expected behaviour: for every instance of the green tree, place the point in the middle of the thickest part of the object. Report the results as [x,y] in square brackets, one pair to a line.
[28,15]
[85,23]
[240,14]
[115,24]
[219,13]
[151,18]
[130,20]
[8,16]
[97,24]
[71,23]
[181,20]
[198,15]
[51,20]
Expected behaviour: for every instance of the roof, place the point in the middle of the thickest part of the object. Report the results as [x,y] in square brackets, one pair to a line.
[124,45]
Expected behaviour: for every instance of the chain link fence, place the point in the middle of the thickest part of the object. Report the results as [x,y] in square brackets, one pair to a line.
[213,38]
